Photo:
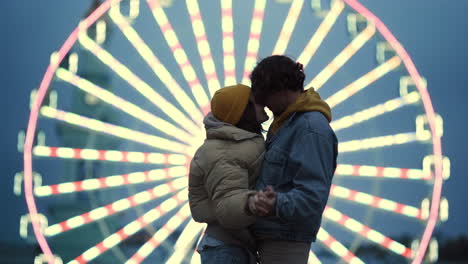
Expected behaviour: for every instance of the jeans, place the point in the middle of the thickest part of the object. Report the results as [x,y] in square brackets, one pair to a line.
[282,251]
[224,254]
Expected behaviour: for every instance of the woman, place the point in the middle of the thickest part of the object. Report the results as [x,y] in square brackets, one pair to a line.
[223,172]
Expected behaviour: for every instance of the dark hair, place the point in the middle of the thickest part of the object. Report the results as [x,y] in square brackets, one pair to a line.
[276,73]
[249,120]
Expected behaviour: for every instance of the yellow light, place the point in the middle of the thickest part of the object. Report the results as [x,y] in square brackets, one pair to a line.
[121,205]
[75,221]
[42,191]
[425,208]
[142,197]
[100,31]
[66,187]
[168,205]
[151,215]
[53,230]
[354,225]
[376,236]
[111,241]
[90,254]
[367,171]
[90,184]
[73,62]
[114,180]
[42,151]
[387,205]
[89,154]
[98,213]
[136,177]
[180,183]
[65,153]
[178,171]
[135,156]
[132,228]
[444,209]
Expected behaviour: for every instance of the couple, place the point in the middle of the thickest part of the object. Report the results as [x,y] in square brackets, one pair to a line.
[263,201]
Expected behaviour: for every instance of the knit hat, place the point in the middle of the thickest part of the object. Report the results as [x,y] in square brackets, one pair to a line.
[228,103]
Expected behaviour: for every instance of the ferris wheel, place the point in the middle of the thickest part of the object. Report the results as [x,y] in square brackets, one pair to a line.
[121,106]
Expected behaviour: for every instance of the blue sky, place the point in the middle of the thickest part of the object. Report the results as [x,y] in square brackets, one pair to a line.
[433,32]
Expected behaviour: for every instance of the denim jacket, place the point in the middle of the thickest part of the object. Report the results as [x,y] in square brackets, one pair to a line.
[299,163]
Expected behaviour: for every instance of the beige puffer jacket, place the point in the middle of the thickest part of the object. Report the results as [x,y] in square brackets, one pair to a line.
[222,171]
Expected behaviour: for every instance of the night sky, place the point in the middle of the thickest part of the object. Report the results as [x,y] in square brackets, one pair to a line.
[433,32]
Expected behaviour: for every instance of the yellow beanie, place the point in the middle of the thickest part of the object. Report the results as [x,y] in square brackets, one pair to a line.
[228,103]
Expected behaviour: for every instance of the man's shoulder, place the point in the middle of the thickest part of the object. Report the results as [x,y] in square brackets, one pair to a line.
[314,122]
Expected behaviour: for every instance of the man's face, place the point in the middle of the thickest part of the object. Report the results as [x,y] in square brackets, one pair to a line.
[277,102]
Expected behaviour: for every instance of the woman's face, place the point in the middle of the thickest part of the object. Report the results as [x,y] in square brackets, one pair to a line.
[259,111]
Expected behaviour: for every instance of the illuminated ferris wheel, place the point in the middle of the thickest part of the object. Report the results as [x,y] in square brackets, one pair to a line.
[121,105]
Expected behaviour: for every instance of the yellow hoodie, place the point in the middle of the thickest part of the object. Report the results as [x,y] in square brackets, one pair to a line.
[308,101]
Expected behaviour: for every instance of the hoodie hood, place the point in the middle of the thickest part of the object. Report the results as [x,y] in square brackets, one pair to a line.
[308,101]
[216,129]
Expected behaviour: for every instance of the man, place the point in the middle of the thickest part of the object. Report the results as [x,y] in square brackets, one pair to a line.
[299,163]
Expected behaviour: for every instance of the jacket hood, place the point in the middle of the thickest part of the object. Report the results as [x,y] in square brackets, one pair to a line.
[216,129]
[308,101]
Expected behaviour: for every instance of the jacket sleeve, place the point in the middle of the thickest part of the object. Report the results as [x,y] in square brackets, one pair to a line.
[200,204]
[227,184]
[315,158]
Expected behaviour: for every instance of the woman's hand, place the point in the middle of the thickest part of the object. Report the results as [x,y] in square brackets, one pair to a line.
[263,202]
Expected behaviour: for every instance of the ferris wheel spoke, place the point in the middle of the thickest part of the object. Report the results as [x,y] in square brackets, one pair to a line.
[377,142]
[375,111]
[162,234]
[142,87]
[184,244]
[288,27]
[357,227]
[337,248]
[229,58]
[175,185]
[114,130]
[203,45]
[111,181]
[131,228]
[381,172]
[158,68]
[110,155]
[321,33]
[254,39]
[356,44]
[376,202]
[125,106]
[363,81]
[179,54]
[313,259]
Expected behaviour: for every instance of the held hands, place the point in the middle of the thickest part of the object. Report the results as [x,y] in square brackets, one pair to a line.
[263,202]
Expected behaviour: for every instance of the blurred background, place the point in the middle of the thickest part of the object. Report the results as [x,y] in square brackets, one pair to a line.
[432,32]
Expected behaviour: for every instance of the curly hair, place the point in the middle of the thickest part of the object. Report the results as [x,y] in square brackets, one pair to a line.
[276,73]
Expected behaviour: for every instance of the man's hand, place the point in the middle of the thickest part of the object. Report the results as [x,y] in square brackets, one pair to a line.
[263,202]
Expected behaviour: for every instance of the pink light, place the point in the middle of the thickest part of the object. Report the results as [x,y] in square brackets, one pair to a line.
[28,190]
[437,146]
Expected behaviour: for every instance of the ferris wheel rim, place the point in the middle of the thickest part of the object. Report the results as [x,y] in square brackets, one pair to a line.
[354,4]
